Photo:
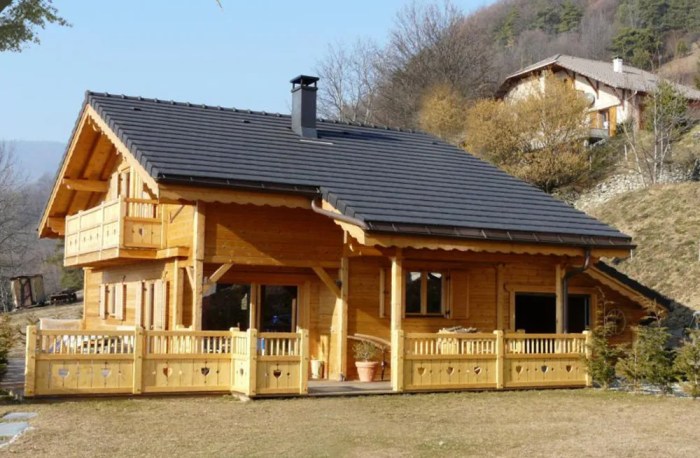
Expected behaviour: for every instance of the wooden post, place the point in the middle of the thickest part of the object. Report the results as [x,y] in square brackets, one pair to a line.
[30,361]
[252,361]
[304,361]
[232,349]
[500,359]
[139,352]
[397,350]
[397,297]
[198,265]
[559,300]
[254,301]
[589,354]
[342,303]
[499,297]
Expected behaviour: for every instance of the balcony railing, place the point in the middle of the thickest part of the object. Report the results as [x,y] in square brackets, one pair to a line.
[112,225]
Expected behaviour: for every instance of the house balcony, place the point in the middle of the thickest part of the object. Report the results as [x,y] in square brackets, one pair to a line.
[119,228]
[598,134]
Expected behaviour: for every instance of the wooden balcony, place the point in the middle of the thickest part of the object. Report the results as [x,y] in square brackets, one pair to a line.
[119,228]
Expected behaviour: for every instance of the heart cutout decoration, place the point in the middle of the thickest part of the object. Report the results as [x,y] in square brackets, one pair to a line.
[450,370]
[421,370]
[204,371]
[167,371]
[477,370]
[518,369]
[63,372]
[106,372]
[241,371]
[277,373]
[544,369]
[569,368]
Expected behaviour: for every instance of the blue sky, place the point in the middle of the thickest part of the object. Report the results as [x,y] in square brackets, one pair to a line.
[241,55]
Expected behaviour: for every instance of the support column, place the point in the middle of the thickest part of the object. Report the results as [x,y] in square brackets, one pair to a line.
[560,299]
[198,265]
[397,299]
[339,331]
[499,297]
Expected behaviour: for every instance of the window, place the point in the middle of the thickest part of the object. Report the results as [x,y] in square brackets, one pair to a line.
[424,293]
[537,313]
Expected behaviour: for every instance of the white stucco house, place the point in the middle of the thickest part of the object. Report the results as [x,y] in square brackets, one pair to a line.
[616,91]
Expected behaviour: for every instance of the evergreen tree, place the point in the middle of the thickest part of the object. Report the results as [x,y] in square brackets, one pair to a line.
[571,16]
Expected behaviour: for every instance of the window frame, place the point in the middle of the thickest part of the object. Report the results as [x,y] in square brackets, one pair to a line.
[423,313]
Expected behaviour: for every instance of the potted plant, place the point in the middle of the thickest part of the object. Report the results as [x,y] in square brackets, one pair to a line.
[366,360]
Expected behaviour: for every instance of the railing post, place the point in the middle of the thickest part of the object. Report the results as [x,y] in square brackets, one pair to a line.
[30,362]
[304,361]
[252,362]
[232,350]
[397,357]
[139,352]
[500,359]
[588,352]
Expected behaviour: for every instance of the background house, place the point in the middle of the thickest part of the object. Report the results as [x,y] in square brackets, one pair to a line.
[616,91]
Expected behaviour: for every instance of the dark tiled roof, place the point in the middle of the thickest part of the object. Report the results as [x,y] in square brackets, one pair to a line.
[393,180]
[631,78]
[645,291]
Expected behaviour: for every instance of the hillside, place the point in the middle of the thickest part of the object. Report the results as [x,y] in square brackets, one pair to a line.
[665,224]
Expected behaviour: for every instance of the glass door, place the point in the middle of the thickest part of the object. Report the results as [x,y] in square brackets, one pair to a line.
[278,308]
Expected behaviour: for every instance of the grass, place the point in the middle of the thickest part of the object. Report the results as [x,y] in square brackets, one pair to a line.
[24,317]
[665,224]
[525,423]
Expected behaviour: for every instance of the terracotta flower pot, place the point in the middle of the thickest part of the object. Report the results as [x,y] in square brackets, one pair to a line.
[366,370]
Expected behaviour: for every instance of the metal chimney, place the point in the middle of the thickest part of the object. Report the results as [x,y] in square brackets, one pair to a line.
[617,64]
[304,106]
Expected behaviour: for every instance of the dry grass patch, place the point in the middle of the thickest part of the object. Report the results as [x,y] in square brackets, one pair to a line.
[532,423]
[665,224]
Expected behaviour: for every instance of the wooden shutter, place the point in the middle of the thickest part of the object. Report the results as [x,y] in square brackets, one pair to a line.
[382,293]
[149,306]
[160,304]
[119,301]
[138,304]
[459,294]
[103,301]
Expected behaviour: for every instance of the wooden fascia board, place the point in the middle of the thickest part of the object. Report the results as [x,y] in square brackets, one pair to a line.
[122,149]
[44,227]
[178,193]
[617,286]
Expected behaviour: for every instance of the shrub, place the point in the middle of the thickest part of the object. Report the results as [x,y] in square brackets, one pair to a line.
[648,360]
[687,364]
[603,356]
[365,351]
[7,338]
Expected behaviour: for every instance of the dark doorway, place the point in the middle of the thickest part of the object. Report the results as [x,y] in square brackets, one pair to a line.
[536,313]
[228,307]
[278,306]
[579,313]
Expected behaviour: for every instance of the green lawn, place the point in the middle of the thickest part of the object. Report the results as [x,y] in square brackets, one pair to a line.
[526,423]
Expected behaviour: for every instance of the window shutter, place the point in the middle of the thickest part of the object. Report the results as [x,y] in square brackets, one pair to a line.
[103,301]
[382,293]
[160,308]
[138,304]
[459,294]
[149,306]
[120,301]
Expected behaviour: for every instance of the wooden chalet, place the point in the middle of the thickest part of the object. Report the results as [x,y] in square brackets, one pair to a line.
[225,249]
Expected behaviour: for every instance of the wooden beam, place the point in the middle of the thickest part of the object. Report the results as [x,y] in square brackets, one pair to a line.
[198,265]
[85,185]
[327,280]
[57,224]
[398,286]
[220,272]
[560,299]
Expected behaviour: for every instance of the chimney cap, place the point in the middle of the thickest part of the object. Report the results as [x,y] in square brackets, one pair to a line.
[304,80]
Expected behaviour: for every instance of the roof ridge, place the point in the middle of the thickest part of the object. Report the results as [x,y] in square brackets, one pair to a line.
[249,111]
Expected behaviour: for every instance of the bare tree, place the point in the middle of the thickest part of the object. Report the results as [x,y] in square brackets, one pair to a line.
[651,145]
[349,86]
[432,45]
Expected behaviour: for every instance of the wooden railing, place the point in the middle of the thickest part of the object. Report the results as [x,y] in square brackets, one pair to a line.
[118,223]
[134,362]
[461,361]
